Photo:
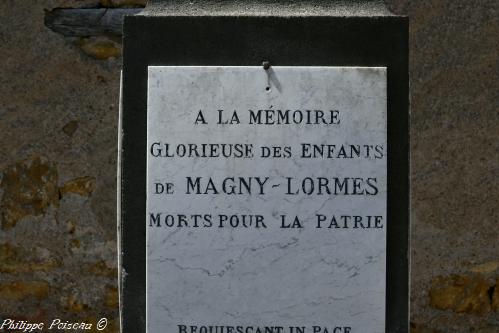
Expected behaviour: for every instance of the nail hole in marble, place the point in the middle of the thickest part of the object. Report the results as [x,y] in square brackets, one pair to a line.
[267,89]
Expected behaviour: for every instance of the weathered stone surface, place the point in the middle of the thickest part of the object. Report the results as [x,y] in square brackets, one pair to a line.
[30,187]
[419,328]
[454,68]
[485,268]
[73,305]
[495,297]
[114,326]
[70,128]
[19,290]
[7,252]
[122,3]
[83,186]
[14,263]
[100,47]
[47,82]
[490,329]
[11,266]
[111,299]
[75,243]
[100,268]
[462,294]
[88,22]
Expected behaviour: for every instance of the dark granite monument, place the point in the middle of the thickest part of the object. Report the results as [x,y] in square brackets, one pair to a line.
[264,168]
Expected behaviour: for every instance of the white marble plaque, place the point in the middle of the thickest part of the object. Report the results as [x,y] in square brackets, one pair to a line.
[266,200]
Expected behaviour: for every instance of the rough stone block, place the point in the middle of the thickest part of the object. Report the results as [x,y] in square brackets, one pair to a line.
[100,47]
[83,186]
[14,263]
[73,305]
[462,294]
[495,297]
[20,290]
[111,299]
[100,268]
[30,187]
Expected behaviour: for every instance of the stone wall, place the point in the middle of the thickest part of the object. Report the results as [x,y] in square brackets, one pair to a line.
[58,135]
[59,112]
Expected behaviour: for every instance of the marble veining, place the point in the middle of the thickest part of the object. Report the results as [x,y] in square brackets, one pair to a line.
[266,276]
